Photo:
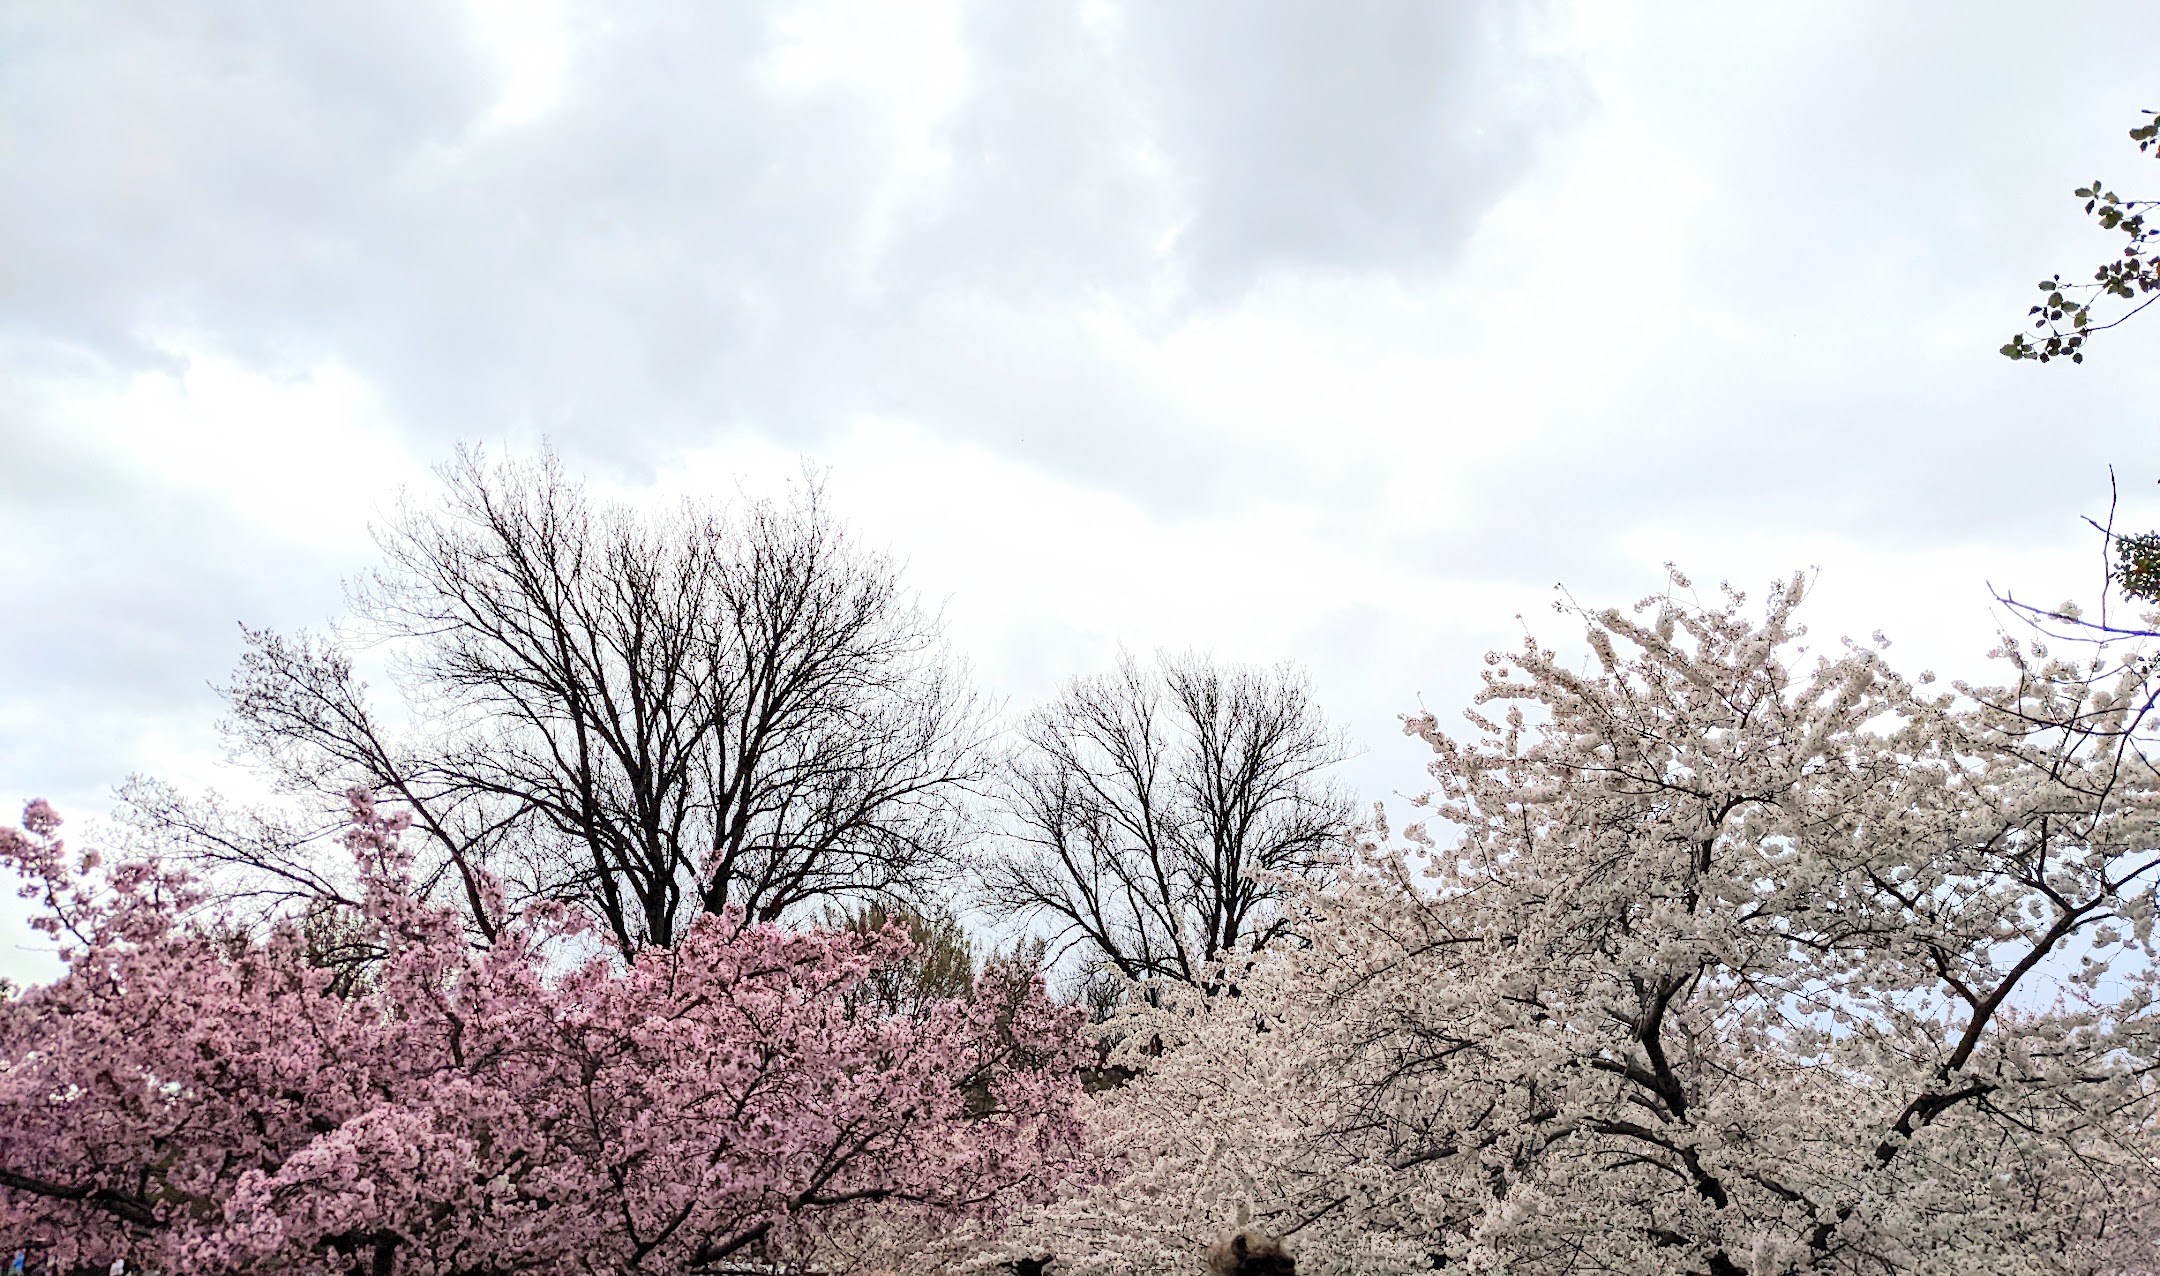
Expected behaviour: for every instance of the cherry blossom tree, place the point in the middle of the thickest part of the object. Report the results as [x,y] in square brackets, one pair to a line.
[1719,957]
[193,1099]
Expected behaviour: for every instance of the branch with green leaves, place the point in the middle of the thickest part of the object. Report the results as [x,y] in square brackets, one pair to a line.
[2065,318]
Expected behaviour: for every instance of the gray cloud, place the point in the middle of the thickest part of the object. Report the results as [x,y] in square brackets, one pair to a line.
[1846,205]
[1369,137]
[675,247]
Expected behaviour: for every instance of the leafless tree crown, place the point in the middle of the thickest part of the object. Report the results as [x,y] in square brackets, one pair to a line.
[1156,813]
[648,716]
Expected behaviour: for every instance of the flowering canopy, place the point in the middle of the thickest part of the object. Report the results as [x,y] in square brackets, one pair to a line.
[1733,966]
[197,1101]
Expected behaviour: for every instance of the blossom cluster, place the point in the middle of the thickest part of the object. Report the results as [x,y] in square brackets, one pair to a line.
[191,1099]
[1715,958]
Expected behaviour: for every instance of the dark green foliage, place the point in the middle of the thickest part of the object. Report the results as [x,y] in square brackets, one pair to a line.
[943,965]
[2065,315]
[2137,566]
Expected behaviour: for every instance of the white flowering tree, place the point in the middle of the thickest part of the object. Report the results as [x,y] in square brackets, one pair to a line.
[1722,958]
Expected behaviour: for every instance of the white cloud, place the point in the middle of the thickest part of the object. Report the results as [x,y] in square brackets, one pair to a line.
[530,43]
[1330,333]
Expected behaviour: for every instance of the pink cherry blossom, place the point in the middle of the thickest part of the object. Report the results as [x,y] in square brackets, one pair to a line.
[200,1101]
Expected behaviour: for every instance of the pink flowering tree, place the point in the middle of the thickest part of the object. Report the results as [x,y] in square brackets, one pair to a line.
[196,1100]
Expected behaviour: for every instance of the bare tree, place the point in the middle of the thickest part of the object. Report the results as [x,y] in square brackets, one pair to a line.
[648,716]
[1156,813]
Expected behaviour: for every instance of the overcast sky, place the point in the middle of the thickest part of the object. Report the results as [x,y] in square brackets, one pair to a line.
[1337,333]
